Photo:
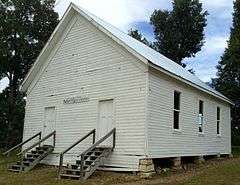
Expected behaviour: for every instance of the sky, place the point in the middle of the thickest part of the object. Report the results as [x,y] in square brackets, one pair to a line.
[127,14]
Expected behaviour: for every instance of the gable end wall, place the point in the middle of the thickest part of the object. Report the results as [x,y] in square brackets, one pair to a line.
[88,63]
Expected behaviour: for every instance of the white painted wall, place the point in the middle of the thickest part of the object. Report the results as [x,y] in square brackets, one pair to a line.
[87,63]
[163,141]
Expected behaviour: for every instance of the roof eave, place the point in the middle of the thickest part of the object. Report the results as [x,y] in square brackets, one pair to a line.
[28,79]
[223,98]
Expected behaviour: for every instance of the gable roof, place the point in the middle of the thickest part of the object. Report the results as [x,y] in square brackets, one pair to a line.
[140,50]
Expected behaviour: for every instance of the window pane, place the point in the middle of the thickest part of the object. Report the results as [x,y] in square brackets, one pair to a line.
[218,127]
[176,120]
[200,128]
[201,107]
[218,113]
[176,100]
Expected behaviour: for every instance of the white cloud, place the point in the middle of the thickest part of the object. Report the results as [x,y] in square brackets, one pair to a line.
[123,12]
[217,4]
[120,13]
[221,9]
[215,44]
[206,60]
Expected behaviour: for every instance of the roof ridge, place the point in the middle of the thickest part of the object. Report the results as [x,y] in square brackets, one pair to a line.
[143,52]
[150,54]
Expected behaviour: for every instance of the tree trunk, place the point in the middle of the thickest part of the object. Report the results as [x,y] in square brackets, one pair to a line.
[11,111]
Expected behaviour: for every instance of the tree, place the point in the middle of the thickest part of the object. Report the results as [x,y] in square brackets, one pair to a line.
[17,128]
[25,27]
[179,33]
[228,76]
[137,35]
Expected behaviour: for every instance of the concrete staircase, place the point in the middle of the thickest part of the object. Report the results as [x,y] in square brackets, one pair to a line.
[82,170]
[31,159]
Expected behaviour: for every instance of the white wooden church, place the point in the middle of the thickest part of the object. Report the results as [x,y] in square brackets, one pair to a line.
[90,75]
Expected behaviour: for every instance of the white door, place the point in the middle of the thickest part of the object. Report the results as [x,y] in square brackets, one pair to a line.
[105,121]
[49,124]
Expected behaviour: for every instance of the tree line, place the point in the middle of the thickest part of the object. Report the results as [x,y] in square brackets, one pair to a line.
[25,27]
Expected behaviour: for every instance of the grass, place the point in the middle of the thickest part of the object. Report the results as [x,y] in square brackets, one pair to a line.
[227,174]
[213,172]
[45,175]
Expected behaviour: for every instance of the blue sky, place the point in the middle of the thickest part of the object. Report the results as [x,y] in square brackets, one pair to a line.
[216,36]
[126,14]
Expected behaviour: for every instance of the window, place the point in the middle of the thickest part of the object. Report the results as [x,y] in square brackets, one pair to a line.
[218,120]
[176,110]
[200,116]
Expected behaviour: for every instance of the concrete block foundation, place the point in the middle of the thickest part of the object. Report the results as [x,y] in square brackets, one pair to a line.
[146,168]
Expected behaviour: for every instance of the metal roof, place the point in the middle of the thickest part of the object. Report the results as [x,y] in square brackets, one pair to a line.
[143,52]
[153,56]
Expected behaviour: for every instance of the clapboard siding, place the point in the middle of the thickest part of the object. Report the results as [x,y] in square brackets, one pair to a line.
[88,63]
[163,141]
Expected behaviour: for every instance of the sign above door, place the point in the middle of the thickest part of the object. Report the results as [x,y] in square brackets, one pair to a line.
[75,100]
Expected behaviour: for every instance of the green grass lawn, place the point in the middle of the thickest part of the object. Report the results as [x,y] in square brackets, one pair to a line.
[213,172]
[225,174]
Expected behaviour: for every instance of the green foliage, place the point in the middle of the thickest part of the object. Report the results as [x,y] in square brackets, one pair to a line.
[137,35]
[236,151]
[179,33]
[235,137]
[228,76]
[17,117]
[25,27]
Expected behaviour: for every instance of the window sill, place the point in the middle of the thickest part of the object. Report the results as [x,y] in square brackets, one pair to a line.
[201,134]
[219,136]
[177,131]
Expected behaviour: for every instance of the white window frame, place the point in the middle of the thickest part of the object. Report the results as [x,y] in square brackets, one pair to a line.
[201,118]
[176,110]
[218,122]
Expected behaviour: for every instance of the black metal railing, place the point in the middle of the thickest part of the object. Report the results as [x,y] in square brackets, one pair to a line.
[39,134]
[111,133]
[92,132]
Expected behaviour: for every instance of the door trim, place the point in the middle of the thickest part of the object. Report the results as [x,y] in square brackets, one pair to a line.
[98,112]
[55,122]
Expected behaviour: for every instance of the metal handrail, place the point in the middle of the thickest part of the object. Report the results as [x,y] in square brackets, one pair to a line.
[92,132]
[39,142]
[112,132]
[23,143]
